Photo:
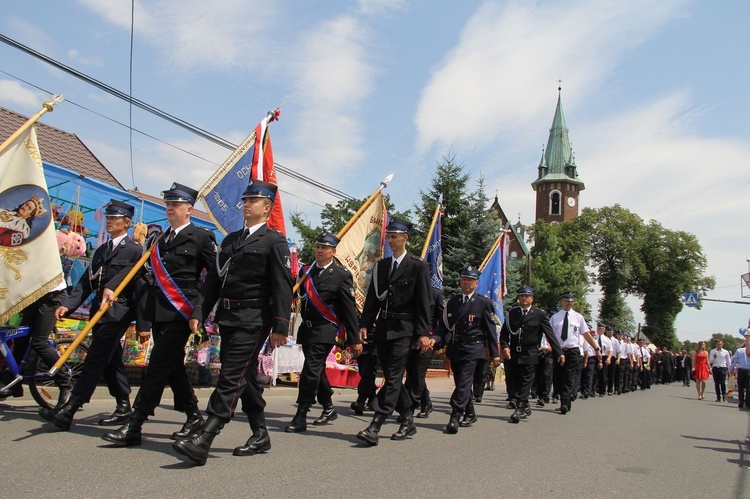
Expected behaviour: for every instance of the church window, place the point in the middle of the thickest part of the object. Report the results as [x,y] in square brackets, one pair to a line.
[554,203]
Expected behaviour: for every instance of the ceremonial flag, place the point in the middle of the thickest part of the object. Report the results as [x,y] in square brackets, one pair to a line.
[31,264]
[492,280]
[253,159]
[434,255]
[362,246]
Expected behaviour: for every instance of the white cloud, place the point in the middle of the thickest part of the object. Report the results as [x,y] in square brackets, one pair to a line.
[192,35]
[75,56]
[508,55]
[14,94]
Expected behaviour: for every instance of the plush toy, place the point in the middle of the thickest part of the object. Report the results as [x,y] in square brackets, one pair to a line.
[139,232]
[71,244]
[76,221]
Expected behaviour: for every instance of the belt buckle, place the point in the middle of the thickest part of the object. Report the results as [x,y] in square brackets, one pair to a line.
[225,302]
[308,323]
[518,348]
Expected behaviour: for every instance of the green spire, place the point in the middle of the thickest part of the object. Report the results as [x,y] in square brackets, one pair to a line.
[558,161]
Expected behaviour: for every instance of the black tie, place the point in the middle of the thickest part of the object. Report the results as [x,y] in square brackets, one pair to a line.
[565,327]
[523,312]
[395,266]
[600,342]
[170,237]
[466,298]
[108,249]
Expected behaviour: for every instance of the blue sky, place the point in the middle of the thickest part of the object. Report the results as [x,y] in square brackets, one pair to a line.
[653,93]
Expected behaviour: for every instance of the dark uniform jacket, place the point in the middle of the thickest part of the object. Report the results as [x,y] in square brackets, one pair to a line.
[468,328]
[255,285]
[192,250]
[102,269]
[398,304]
[524,334]
[335,288]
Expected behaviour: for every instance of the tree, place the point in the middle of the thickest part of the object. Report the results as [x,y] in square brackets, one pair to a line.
[610,232]
[558,263]
[670,263]
[450,180]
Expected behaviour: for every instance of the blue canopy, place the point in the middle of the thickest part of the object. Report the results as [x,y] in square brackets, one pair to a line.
[63,186]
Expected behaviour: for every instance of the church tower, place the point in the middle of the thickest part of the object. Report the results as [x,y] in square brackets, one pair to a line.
[557,186]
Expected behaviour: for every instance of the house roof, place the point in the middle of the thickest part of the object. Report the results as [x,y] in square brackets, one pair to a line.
[60,148]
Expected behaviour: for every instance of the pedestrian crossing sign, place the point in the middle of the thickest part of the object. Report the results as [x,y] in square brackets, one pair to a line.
[691,299]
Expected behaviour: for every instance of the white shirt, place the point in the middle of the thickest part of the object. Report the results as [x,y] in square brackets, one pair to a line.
[178,229]
[606,344]
[587,349]
[576,328]
[624,349]
[398,260]
[616,347]
[720,358]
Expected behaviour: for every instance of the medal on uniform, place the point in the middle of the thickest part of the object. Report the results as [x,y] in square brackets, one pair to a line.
[471,317]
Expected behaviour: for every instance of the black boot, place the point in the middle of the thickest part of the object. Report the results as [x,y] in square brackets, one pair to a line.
[329,414]
[64,384]
[122,413]
[129,434]
[453,423]
[192,427]
[299,421]
[259,441]
[63,417]
[519,413]
[370,434]
[425,410]
[359,406]
[470,417]
[196,448]
[407,428]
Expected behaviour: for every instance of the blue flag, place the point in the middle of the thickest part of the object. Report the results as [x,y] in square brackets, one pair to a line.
[434,255]
[492,280]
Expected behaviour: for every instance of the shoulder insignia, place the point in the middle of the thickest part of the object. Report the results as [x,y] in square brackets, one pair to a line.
[122,243]
[288,262]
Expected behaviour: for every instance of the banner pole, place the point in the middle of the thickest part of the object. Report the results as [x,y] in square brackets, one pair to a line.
[492,250]
[46,107]
[432,226]
[352,220]
[102,310]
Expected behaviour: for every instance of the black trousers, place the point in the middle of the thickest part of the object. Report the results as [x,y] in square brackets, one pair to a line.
[720,381]
[463,377]
[416,377]
[480,377]
[313,382]
[743,387]
[40,315]
[588,376]
[622,377]
[166,365]
[510,378]
[393,355]
[568,373]
[543,376]
[524,379]
[104,360]
[602,377]
[367,363]
[611,375]
[238,378]
[634,378]
[577,378]
[643,378]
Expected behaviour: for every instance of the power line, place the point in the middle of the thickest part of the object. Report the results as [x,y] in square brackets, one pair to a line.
[166,116]
[125,125]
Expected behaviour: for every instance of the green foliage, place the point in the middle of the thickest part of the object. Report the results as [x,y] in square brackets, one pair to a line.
[669,264]
[558,263]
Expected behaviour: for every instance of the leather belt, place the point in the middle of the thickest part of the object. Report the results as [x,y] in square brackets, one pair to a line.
[393,315]
[230,304]
[321,322]
[467,339]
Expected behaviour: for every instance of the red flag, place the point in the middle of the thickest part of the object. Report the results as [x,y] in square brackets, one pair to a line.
[263,155]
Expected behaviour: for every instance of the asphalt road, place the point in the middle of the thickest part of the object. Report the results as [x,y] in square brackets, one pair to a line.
[657,443]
